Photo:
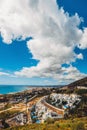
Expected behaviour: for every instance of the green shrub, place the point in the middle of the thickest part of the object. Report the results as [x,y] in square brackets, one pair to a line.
[57,124]
[50,120]
[78,126]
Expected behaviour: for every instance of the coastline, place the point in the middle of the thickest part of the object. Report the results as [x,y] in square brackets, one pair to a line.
[12,89]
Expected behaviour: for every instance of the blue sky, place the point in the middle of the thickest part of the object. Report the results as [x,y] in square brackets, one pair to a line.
[15,56]
[52,55]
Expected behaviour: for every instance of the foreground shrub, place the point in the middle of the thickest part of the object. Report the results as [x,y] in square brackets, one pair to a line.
[50,120]
[78,126]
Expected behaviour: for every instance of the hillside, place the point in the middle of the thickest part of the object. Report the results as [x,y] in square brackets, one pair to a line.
[81,82]
[72,124]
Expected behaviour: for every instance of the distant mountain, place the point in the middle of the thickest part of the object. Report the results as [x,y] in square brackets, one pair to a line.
[81,82]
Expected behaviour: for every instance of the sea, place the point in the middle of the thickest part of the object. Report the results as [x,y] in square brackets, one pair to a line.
[7,89]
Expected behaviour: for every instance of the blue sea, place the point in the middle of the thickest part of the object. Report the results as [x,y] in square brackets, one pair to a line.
[6,89]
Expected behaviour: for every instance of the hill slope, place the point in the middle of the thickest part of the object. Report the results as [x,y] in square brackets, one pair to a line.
[58,125]
[81,82]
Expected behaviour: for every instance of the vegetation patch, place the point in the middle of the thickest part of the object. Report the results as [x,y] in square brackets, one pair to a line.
[75,124]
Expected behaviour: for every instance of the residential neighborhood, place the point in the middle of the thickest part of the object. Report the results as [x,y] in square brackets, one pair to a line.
[55,106]
[36,106]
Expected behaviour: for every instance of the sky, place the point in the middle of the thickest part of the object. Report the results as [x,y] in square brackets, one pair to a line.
[43,42]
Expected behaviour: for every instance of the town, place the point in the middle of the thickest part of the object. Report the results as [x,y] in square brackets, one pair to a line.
[36,106]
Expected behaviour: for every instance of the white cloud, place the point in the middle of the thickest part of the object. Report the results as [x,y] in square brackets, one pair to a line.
[83,42]
[55,34]
[39,19]
[72,73]
[80,56]
[3,73]
[61,74]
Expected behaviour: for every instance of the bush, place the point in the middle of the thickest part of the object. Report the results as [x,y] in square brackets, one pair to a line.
[7,114]
[57,124]
[50,120]
[78,126]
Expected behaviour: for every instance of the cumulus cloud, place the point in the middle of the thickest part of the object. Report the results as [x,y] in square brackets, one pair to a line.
[61,74]
[54,34]
[39,19]
[83,41]
[72,73]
